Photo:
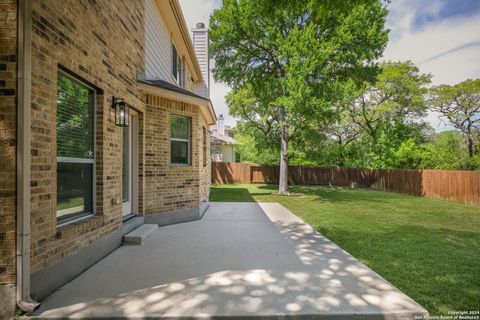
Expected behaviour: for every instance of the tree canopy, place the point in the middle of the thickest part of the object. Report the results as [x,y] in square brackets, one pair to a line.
[460,105]
[383,127]
[290,62]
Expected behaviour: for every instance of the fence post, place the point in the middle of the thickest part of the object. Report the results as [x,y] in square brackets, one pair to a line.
[454,185]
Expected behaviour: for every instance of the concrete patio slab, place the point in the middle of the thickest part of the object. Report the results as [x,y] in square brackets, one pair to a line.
[241,261]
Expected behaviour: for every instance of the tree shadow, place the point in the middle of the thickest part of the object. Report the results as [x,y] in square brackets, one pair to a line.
[267,264]
[421,261]
[231,194]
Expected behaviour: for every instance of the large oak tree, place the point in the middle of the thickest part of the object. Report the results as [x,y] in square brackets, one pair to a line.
[296,58]
[460,105]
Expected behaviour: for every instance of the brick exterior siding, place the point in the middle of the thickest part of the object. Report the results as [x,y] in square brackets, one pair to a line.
[171,188]
[205,169]
[8,120]
[102,43]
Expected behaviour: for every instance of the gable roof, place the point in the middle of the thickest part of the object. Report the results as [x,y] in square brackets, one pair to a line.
[223,139]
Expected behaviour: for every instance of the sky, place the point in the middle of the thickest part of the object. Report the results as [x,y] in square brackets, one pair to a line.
[441,37]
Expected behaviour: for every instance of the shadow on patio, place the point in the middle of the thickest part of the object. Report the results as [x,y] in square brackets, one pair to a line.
[241,260]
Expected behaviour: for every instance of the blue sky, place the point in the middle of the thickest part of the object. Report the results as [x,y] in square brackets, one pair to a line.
[447,9]
[441,36]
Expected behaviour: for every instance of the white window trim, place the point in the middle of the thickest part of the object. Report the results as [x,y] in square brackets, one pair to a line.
[189,162]
[180,73]
[175,75]
[82,160]
[75,160]
[74,219]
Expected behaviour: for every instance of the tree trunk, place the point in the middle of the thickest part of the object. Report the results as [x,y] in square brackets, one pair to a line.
[471,147]
[283,181]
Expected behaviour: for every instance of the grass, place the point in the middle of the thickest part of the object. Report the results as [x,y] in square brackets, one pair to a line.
[70,203]
[429,249]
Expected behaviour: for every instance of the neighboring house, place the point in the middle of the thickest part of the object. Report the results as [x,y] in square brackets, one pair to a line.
[74,178]
[223,144]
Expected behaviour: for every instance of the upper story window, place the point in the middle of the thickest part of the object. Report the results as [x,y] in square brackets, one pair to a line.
[75,148]
[178,67]
[175,62]
[182,73]
[180,128]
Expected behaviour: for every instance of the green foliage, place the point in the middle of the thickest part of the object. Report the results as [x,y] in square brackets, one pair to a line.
[302,56]
[250,151]
[75,114]
[316,60]
[460,105]
[408,155]
[389,115]
[446,151]
[382,128]
[379,129]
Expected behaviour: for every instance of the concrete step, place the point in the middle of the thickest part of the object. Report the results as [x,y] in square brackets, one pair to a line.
[140,234]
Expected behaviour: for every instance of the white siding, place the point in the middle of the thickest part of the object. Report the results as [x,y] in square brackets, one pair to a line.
[228,153]
[158,49]
[158,45]
[200,43]
[201,89]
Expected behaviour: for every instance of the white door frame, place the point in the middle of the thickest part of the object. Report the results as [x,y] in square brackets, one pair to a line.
[127,207]
[135,161]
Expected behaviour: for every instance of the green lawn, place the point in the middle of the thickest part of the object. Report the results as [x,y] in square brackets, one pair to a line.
[429,249]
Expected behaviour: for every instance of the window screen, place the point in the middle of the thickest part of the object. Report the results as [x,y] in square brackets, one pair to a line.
[180,139]
[174,62]
[75,148]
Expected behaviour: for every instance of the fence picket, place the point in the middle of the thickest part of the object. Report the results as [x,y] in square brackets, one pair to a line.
[454,185]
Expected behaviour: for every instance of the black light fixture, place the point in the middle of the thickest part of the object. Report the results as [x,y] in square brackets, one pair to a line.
[122,118]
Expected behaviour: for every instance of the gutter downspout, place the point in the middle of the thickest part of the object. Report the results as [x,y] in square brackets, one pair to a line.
[24,91]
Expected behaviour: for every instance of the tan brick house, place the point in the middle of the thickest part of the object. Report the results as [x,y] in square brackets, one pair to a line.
[73,177]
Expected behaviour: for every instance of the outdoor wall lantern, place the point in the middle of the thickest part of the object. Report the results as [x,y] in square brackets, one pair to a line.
[121,112]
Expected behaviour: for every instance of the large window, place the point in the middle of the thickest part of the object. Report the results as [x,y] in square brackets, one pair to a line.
[75,149]
[180,140]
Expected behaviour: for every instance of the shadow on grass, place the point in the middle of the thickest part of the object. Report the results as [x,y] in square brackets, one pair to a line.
[231,195]
[336,194]
[427,248]
[439,274]
[357,195]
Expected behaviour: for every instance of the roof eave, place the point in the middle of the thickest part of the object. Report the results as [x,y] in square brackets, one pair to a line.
[206,106]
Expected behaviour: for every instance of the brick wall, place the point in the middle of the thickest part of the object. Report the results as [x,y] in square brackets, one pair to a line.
[102,46]
[205,169]
[8,90]
[100,42]
[171,188]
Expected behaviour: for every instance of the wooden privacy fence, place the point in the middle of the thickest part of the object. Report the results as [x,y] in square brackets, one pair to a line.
[460,186]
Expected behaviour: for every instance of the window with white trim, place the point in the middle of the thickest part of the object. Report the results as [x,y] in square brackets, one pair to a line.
[75,149]
[175,64]
[180,128]
[178,67]
[182,73]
